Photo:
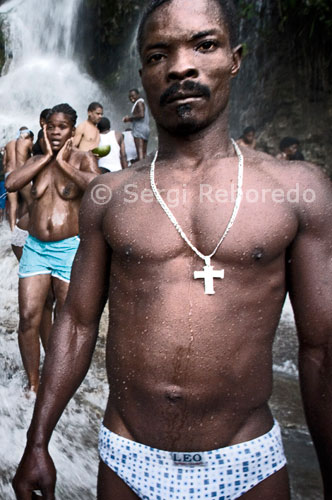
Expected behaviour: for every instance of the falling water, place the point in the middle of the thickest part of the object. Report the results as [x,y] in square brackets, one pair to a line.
[40,69]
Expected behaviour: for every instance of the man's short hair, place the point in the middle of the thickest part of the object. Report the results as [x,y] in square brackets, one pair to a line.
[134,90]
[94,105]
[104,124]
[66,110]
[249,130]
[227,8]
[44,113]
[287,142]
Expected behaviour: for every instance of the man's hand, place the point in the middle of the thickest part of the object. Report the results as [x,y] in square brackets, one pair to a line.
[126,119]
[65,151]
[36,472]
[48,148]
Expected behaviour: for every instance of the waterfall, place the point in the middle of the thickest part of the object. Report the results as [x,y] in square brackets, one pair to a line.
[41,69]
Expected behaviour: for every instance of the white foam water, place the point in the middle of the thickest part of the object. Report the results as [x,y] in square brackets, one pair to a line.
[41,69]
[74,443]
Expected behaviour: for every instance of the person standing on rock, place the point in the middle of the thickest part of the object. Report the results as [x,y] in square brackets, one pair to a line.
[140,123]
[86,135]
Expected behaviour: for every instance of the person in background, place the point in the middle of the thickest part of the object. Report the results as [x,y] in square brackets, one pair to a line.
[116,159]
[39,146]
[248,138]
[15,152]
[290,149]
[87,134]
[140,123]
[130,147]
[3,193]
[57,181]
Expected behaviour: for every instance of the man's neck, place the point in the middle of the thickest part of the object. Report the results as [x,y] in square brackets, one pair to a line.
[211,142]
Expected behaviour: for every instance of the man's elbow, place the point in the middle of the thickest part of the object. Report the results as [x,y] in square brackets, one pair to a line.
[9,184]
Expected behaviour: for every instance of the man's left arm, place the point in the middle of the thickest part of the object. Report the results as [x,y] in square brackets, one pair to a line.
[123,155]
[88,168]
[309,274]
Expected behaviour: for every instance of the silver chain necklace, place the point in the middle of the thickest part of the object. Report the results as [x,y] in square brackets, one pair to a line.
[208,273]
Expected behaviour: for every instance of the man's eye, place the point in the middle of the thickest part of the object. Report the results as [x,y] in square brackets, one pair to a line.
[208,45]
[154,58]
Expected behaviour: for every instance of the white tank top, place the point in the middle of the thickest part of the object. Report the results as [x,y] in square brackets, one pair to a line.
[112,160]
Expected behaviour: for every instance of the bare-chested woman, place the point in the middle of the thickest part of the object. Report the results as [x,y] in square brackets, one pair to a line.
[58,180]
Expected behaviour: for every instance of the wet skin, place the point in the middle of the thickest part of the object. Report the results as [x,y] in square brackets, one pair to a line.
[188,371]
[56,182]
[10,165]
[87,134]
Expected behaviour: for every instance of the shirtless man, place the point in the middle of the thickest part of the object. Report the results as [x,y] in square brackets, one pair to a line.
[140,122]
[17,151]
[247,139]
[289,149]
[87,134]
[59,179]
[191,371]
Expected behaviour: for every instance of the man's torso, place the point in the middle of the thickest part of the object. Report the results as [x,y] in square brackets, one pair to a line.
[90,136]
[180,361]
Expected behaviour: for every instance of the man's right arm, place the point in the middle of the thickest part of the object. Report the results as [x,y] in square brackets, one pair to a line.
[70,349]
[78,135]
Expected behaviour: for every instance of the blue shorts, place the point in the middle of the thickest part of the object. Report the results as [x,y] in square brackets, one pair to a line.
[48,257]
[222,474]
[3,195]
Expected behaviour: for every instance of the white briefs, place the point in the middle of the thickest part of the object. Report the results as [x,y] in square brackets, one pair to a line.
[223,474]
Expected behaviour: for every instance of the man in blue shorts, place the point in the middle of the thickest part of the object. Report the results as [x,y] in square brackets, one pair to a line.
[58,180]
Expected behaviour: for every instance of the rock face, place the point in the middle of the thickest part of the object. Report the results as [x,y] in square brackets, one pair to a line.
[284,87]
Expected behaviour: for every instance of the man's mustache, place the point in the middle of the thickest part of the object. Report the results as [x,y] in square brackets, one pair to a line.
[188,86]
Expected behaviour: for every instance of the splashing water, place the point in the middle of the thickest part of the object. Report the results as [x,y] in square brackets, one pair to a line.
[40,69]
[74,443]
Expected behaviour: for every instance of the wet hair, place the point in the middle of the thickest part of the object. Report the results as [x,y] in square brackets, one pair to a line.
[28,131]
[249,130]
[104,124]
[286,142]
[94,105]
[66,110]
[44,113]
[134,90]
[227,9]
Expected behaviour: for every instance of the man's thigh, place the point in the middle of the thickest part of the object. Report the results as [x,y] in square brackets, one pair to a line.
[275,487]
[111,486]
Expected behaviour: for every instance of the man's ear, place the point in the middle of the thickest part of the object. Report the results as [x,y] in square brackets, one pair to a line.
[237,58]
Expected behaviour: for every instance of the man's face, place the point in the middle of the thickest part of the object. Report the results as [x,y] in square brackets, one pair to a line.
[249,137]
[187,64]
[59,129]
[133,96]
[95,115]
[291,150]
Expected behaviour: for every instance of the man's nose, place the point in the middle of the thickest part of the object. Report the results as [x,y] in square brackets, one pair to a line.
[182,66]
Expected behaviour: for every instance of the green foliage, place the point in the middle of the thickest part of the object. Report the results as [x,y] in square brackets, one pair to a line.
[308,16]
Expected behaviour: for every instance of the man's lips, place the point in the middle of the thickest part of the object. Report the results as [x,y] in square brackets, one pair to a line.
[182,97]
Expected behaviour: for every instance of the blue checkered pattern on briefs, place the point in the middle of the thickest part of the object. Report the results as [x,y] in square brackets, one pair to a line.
[223,474]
